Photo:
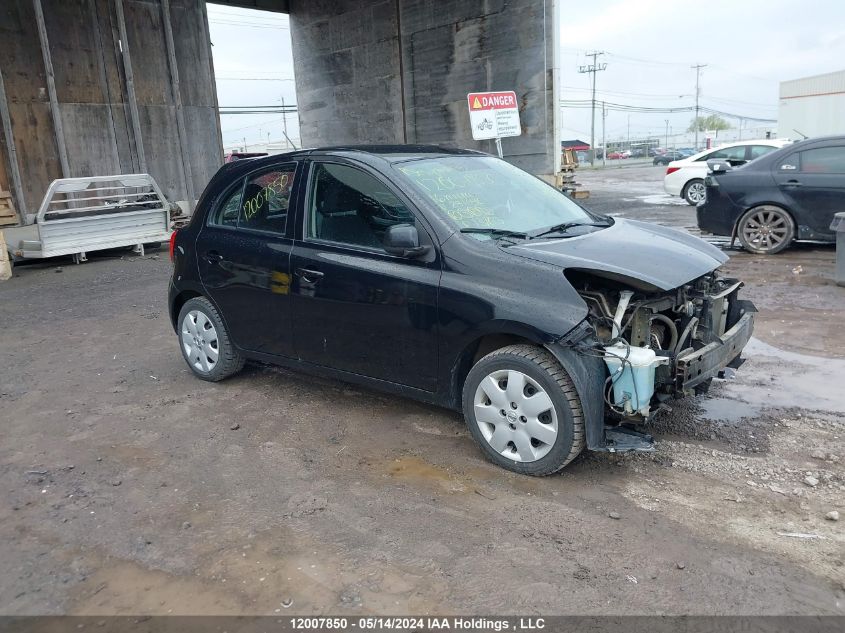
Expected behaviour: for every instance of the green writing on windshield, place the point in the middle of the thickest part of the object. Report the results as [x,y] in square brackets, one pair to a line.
[455,192]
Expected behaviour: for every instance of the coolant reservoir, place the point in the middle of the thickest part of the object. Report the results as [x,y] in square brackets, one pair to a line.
[632,379]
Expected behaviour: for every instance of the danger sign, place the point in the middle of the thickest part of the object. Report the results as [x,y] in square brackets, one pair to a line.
[493,115]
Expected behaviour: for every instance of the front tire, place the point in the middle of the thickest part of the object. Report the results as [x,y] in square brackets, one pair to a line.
[694,192]
[766,230]
[205,342]
[523,410]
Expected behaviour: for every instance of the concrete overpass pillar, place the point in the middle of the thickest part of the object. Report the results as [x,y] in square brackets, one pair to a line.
[399,71]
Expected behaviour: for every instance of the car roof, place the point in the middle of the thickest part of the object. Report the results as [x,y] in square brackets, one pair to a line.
[395,153]
[821,139]
[367,153]
[765,162]
[772,142]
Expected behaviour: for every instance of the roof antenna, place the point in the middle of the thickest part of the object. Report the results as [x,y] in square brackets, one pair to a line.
[801,133]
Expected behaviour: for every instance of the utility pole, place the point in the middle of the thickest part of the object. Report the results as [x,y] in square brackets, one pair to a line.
[285,121]
[603,137]
[593,69]
[629,132]
[697,68]
[667,134]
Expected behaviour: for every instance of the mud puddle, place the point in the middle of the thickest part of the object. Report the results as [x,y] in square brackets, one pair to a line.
[776,379]
[272,573]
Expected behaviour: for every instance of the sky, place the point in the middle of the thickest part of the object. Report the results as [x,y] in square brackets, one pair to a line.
[253,66]
[748,46]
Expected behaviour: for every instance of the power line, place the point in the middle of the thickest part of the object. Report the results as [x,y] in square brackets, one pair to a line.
[278,111]
[649,62]
[245,107]
[621,92]
[654,62]
[246,127]
[623,107]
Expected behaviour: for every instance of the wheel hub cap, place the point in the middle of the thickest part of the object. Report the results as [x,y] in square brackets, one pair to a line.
[515,415]
[199,341]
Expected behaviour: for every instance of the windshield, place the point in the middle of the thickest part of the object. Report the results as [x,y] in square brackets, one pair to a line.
[488,193]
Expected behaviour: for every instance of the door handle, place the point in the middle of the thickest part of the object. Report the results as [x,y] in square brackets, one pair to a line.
[309,276]
[791,183]
[213,257]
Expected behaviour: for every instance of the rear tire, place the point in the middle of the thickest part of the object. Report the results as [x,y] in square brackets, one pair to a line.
[205,342]
[535,427]
[765,230]
[694,192]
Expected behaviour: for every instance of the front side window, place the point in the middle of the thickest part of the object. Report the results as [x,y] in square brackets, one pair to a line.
[265,200]
[485,192]
[824,160]
[349,206]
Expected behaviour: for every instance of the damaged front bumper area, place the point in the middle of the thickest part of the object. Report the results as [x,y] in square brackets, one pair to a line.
[646,346]
[696,367]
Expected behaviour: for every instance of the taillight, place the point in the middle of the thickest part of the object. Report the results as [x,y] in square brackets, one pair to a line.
[173,246]
[672,170]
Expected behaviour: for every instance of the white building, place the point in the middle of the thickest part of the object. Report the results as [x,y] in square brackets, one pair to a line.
[812,106]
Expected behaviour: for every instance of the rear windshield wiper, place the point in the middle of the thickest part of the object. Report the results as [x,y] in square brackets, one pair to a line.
[563,228]
[496,232]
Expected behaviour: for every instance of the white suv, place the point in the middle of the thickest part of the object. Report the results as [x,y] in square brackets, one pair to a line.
[685,178]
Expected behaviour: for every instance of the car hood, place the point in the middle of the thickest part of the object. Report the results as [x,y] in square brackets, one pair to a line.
[656,255]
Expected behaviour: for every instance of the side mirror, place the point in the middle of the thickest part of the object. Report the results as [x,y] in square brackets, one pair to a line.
[718,165]
[404,241]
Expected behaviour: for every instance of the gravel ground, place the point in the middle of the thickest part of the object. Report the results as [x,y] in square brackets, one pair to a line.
[132,488]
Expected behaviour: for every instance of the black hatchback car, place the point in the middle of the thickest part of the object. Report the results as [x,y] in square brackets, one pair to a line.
[787,195]
[455,278]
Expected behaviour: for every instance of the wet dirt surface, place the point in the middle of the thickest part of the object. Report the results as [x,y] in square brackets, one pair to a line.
[126,489]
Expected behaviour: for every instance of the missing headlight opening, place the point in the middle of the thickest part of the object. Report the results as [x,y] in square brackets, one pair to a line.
[658,344]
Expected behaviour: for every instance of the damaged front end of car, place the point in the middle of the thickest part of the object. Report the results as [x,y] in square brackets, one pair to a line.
[654,345]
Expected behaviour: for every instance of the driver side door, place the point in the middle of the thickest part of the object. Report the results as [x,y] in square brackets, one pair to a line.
[357,308]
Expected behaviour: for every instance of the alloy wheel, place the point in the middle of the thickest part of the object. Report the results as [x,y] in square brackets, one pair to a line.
[696,193]
[515,415]
[765,229]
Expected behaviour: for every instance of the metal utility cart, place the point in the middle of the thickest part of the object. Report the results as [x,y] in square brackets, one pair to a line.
[79,215]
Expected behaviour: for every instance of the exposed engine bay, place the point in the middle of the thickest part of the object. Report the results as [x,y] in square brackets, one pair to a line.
[661,344]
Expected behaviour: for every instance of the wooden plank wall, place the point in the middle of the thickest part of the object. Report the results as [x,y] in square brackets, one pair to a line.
[90,79]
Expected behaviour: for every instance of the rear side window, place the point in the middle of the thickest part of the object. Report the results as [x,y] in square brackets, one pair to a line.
[227,213]
[824,160]
[790,163]
[260,203]
[265,200]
